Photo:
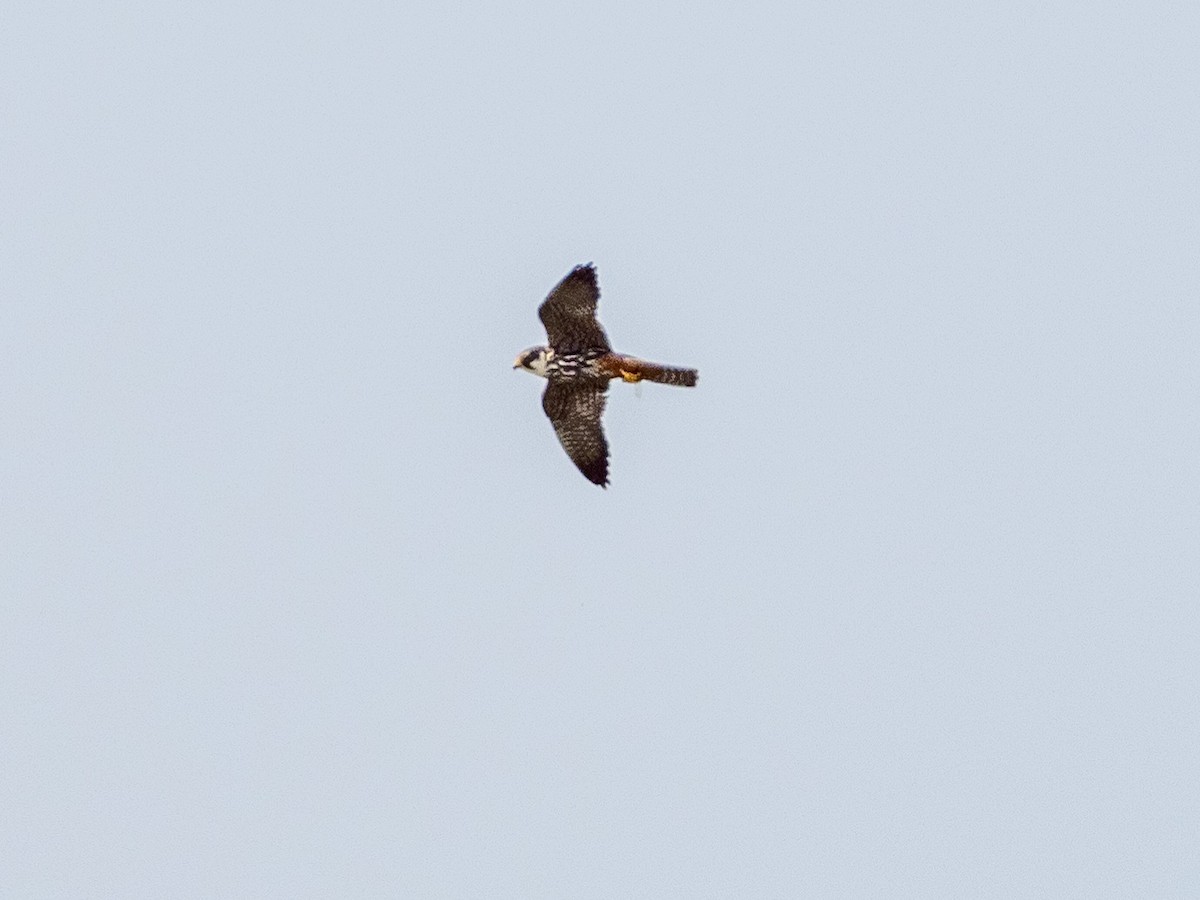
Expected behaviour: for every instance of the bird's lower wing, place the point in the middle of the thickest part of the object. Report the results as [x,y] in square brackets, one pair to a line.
[575,407]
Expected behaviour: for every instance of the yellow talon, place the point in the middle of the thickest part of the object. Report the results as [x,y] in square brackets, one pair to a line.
[631,377]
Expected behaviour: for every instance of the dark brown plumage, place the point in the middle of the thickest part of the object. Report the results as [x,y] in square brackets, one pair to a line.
[569,313]
[574,407]
[578,364]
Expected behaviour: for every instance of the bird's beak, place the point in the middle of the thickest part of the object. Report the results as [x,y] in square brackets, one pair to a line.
[517,363]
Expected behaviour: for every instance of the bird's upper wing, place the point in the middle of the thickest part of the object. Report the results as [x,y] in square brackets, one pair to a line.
[569,313]
[575,406]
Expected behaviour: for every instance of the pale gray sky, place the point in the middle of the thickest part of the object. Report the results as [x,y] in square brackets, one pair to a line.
[301,598]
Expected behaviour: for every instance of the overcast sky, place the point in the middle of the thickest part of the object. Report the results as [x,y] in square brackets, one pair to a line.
[301,597]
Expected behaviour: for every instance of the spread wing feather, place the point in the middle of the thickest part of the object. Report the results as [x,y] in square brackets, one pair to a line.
[569,313]
[574,407]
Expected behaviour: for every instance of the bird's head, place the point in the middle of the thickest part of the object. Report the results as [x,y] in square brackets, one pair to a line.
[534,360]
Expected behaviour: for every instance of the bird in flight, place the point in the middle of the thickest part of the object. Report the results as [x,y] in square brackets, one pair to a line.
[578,364]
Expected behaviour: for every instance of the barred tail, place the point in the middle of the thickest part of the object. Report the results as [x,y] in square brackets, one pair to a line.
[669,374]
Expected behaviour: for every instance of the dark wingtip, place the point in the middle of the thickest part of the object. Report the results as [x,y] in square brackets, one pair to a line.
[585,271]
[597,473]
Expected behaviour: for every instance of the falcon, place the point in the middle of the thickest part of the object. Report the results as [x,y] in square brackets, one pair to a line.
[578,363]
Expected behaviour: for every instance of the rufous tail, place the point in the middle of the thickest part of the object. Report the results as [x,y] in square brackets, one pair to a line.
[668,374]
